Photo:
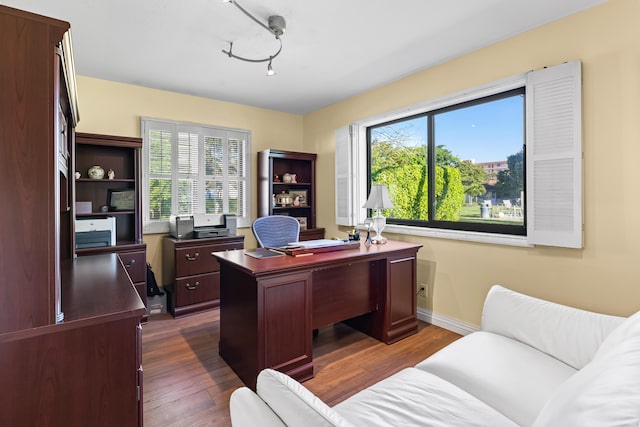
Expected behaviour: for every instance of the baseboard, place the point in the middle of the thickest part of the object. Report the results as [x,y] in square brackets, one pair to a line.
[446,322]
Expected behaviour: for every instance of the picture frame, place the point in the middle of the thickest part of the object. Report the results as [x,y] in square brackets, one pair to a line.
[121,199]
[303,222]
[301,196]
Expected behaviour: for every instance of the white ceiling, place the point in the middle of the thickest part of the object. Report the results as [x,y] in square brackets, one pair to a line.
[332,49]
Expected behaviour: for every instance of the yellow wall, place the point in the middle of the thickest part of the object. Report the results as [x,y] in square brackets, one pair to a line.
[115,109]
[603,276]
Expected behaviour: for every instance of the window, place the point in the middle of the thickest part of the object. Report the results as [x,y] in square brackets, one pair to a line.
[440,166]
[499,163]
[194,169]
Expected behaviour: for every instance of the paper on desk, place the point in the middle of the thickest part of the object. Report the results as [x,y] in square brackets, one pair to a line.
[319,243]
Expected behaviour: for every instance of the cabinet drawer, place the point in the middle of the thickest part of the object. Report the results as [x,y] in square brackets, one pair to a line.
[135,264]
[198,259]
[199,288]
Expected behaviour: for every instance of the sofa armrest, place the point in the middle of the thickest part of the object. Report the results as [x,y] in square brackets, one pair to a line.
[248,410]
[295,404]
[569,334]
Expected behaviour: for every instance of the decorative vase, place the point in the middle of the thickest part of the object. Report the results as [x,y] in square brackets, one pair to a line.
[95,172]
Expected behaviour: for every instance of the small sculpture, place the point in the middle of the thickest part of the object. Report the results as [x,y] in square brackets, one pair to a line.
[368,223]
[78,175]
[111,174]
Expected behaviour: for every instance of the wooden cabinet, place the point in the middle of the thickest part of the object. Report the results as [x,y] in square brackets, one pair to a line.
[37,118]
[69,328]
[276,171]
[87,369]
[122,156]
[191,273]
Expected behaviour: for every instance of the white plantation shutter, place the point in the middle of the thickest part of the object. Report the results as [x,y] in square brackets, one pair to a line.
[554,156]
[345,178]
[214,173]
[186,184]
[159,172]
[191,169]
[237,174]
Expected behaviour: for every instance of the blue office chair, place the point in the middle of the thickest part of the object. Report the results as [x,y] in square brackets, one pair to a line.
[275,230]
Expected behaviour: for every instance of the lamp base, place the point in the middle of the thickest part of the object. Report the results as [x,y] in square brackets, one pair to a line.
[379,223]
[379,240]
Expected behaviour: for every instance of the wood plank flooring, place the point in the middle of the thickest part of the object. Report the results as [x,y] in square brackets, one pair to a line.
[186,382]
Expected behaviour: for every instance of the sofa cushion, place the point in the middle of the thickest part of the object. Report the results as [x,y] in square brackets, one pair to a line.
[416,398]
[294,404]
[606,392]
[509,376]
[629,328]
[576,336]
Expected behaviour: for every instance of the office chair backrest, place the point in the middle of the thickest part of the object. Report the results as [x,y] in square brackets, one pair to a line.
[275,230]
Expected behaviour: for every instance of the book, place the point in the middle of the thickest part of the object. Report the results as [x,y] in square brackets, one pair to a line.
[317,246]
[264,253]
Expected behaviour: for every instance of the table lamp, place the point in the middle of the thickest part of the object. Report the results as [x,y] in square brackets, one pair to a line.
[379,199]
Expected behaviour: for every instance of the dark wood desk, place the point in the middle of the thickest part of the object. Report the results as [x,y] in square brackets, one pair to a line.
[269,307]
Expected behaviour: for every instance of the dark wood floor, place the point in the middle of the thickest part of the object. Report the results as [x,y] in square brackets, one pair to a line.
[186,383]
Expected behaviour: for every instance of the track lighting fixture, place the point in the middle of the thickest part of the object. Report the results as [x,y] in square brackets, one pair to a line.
[276,25]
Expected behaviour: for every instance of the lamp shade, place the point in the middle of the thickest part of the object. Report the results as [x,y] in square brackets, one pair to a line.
[378,198]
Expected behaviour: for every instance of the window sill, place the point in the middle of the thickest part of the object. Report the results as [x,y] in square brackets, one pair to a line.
[469,236]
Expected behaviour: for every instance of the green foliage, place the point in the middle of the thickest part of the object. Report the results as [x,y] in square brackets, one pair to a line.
[511,181]
[444,157]
[160,199]
[473,177]
[449,193]
[404,170]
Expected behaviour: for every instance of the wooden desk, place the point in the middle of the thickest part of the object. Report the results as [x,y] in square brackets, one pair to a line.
[269,307]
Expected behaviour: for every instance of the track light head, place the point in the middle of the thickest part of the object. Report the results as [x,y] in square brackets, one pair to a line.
[270,71]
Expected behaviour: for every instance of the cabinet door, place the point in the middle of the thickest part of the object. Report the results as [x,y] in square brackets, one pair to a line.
[401,298]
[285,306]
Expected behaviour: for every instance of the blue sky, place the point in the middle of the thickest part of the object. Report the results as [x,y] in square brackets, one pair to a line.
[485,132]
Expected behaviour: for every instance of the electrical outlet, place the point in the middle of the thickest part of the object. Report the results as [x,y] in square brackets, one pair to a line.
[423,290]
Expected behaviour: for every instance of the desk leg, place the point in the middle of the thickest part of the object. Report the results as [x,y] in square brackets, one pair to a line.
[266,323]
[394,279]
[285,303]
[400,313]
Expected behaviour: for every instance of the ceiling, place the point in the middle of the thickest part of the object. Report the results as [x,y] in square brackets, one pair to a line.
[332,49]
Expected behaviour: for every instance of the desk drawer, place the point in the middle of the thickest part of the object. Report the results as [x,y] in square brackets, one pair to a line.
[195,289]
[136,265]
[198,259]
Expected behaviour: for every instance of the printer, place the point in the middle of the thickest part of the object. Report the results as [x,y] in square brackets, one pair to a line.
[201,226]
[95,232]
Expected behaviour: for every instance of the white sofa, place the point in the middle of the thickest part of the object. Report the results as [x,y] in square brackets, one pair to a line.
[533,362]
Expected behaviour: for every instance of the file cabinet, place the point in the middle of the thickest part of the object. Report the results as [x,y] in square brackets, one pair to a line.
[191,274]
